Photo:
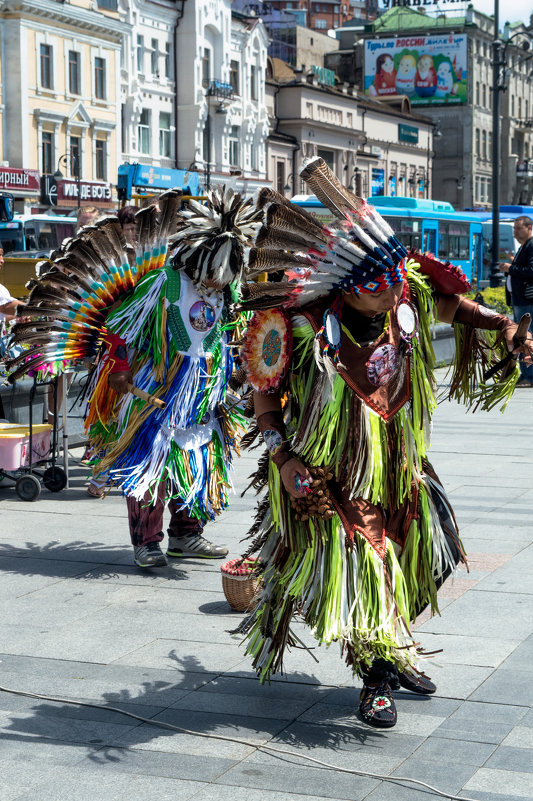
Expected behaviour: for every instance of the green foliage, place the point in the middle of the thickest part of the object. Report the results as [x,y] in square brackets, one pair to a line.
[493,298]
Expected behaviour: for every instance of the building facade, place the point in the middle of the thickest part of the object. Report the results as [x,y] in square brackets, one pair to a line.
[463,153]
[61,97]
[148,89]
[222,120]
[373,148]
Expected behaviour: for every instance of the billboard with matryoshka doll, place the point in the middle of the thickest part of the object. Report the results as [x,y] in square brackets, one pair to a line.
[428,69]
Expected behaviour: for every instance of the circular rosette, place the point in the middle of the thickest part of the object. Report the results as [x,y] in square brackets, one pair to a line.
[267,349]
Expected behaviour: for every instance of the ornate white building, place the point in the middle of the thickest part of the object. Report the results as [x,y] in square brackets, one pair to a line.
[147,81]
[222,119]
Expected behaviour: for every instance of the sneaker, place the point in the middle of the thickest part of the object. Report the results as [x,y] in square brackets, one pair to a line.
[417,682]
[195,545]
[377,707]
[149,555]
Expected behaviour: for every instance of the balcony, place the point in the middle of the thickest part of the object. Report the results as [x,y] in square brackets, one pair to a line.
[220,90]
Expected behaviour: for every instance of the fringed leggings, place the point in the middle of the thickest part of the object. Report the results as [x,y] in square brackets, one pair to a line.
[146,520]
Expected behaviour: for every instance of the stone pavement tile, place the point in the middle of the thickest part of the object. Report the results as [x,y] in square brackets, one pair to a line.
[163,599]
[454,751]
[163,653]
[99,710]
[514,759]
[303,782]
[401,791]
[253,729]
[470,614]
[460,650]
[279,688]
[347,745]
[155,738]
[527,720]
[43,723]
[129,574]
[119,787]
[479,722]
[481,796]
[449,777]
[156,763]
[108,684]
[520,737]
[500,534]
[491,545]
[46,547]
[508,784]
[486,562]
[522,657]
[506,686]
[515,576]
[456,586]
[254,706]
[220,792]
[20,576]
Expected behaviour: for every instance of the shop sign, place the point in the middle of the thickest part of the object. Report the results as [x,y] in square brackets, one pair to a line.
[378,181]
[408,133]
[19,181]
[325,77]
[64,193]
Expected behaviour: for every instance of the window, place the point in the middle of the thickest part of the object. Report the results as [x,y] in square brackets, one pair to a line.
[111,5]
[47,152]
[253,82]
[154,57]
[234,137]
[99,78]
[143,132]
[100,158]
[484,144]
[478,140]
[519,108]
[489,149]
[168,65]
[453,240]
[206,67]
[234,77]
[75,155]
[484,95]
[74,72]
[321,24]
[140,53]
[46,66]
[512,105]
[328,156]
[164,134]
[478,97]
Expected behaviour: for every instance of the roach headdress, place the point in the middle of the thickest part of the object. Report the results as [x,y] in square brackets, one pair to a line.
[210,246]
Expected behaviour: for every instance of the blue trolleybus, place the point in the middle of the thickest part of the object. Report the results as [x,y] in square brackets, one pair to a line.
[426,225]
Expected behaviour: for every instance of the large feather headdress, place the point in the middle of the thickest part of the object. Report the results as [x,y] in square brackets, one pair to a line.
[359,252]
[82,281]
[211,244]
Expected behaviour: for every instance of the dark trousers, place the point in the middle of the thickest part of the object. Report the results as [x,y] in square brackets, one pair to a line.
[146,520]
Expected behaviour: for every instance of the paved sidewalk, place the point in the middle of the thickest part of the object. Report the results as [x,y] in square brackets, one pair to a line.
[80,621]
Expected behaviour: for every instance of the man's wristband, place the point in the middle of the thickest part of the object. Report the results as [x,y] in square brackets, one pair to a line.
[272,428]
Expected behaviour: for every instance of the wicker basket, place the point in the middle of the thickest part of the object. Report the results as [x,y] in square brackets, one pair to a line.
[240,584]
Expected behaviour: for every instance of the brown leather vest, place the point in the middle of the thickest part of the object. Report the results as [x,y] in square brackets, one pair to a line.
[387,399]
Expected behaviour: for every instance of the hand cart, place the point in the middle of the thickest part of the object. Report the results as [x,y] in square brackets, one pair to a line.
[23,448]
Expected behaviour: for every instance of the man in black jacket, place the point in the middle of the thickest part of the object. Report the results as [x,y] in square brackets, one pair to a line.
[520,271]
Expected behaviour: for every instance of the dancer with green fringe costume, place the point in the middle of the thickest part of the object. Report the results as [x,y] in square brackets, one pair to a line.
[356,533]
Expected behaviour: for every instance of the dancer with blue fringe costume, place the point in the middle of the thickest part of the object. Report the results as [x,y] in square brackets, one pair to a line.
[160,416]
[356,533]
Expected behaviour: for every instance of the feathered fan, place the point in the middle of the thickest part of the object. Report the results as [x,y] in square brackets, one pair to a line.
[84,279]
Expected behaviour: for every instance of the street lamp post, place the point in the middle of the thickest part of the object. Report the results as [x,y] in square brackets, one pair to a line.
[287,187]
[499,84]
[495,275]
[75,168]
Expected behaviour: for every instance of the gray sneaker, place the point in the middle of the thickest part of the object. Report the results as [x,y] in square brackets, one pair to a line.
[149,555]
[196,546]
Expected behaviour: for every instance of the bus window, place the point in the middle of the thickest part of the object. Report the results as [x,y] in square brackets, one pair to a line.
[453,241]
[11,237]
[409,232]
[477,270]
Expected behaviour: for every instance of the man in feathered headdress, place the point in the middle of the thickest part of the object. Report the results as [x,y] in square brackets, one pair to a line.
[356,533]
[159,413]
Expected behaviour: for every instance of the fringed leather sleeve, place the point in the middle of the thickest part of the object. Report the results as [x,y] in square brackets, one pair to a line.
[272,428]
[478,316]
